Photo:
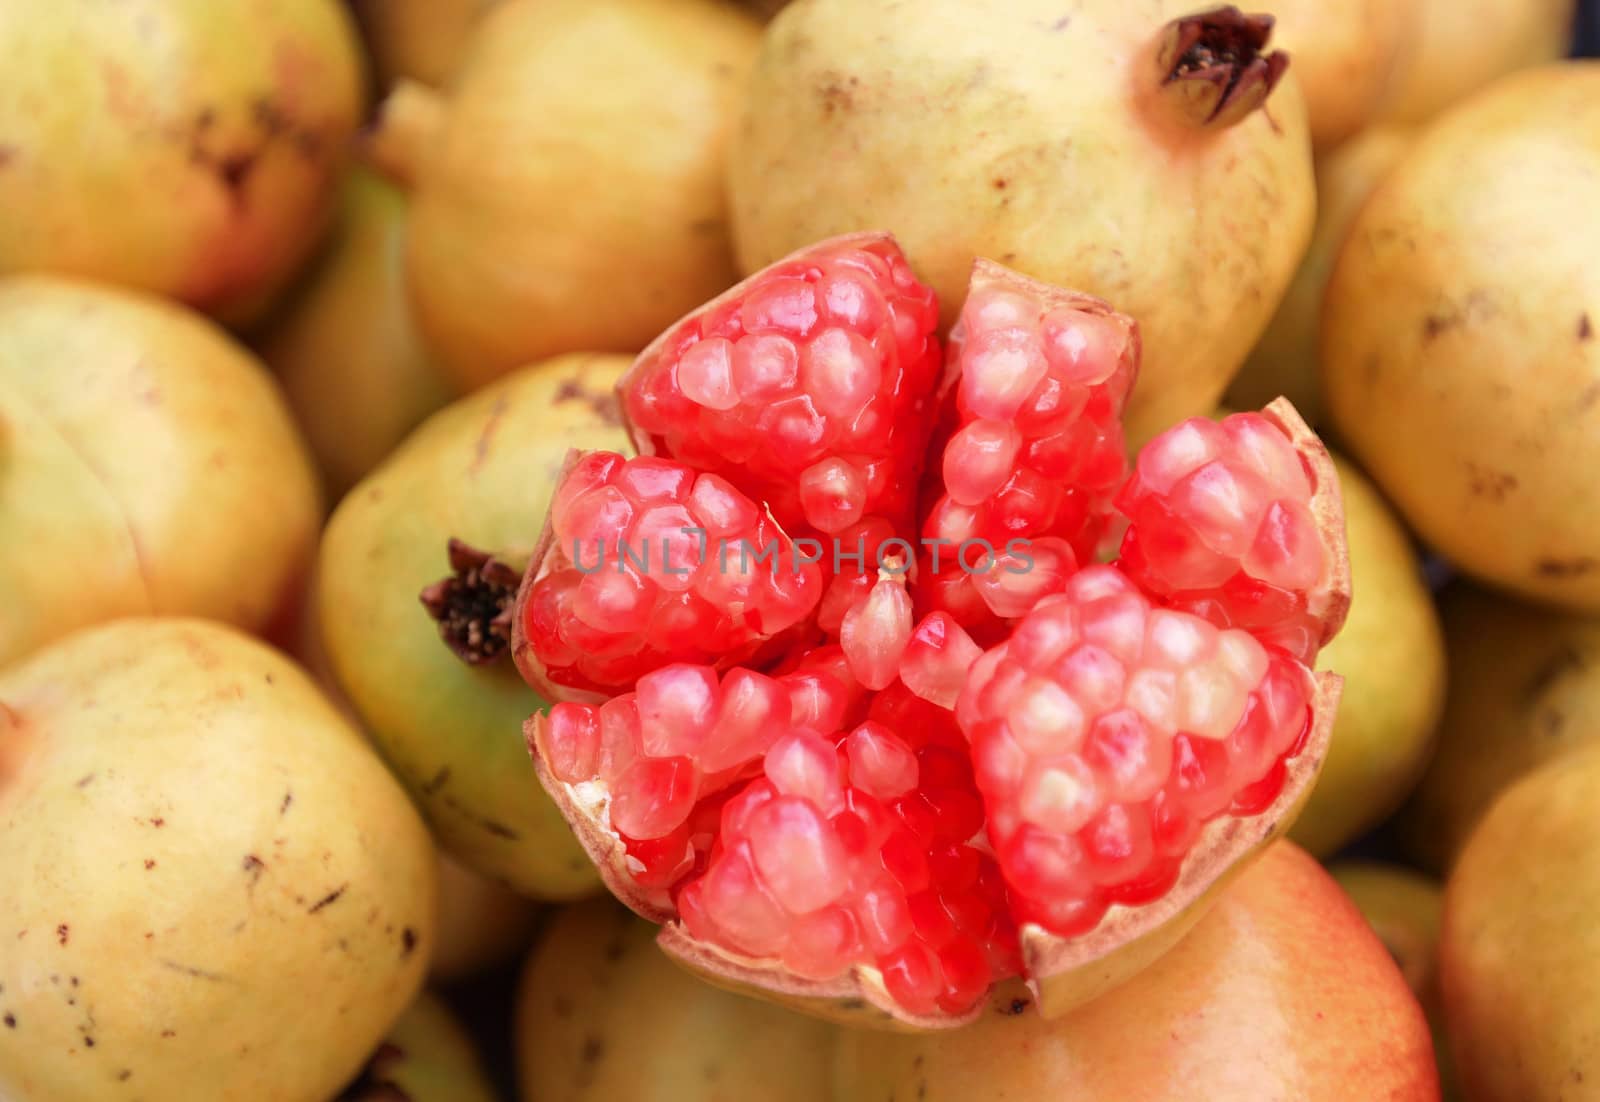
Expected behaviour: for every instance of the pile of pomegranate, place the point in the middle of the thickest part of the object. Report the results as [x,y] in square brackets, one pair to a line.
[882,676]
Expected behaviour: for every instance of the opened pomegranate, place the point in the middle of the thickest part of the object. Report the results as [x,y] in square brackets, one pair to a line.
[878,785]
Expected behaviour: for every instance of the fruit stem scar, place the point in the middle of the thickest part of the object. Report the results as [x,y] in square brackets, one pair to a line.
[1213,69]
[473,605]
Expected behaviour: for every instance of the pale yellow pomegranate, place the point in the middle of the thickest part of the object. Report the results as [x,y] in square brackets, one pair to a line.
[1459,46]
[561,204]
[1524,689]
[1461,335]
[1286,359]
[1391,656]
[602,1014]
[418,39]
[350,359]
[214,889]
[1345,53]
[186,147]
[1090,145]
[147,465]
[1520,952]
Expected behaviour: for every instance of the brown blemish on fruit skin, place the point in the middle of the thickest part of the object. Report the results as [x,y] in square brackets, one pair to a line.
[408,942]
[328,900]
[604,403]
[8,153]
[63,933]
[1585,328]
[1566,568]
[1494,485]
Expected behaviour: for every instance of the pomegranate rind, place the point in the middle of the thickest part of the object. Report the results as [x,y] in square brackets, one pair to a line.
[1065,973]
[1329,600]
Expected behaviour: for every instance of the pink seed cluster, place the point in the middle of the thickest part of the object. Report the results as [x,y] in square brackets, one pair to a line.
[1037,451]
[651,562]
[1106,731]
[1220,524]
[808,386]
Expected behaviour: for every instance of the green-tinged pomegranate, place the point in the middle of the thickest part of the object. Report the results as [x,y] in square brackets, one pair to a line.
[214,889]
[1281,991]
[603,1014]
[420,40]
[1405,909]
[1106,146]
[876,797]
[481,470]
[1459,46]
[184,147]
[1345,56]
[147,465]
[351,362]
[1520,952]
[562,205]
[1524,690]
[1391,656]
[1285,359]
[426,1057]
[481,923]
[1461,335]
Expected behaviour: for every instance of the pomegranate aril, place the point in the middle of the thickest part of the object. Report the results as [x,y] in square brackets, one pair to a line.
[936,659]
[797,854]
[754,711]
[677,707]
[571,741]
[882,916]
[736,906]
[821,944]
[764,367]
[965,970]
[705,374]
[880,761]
[806,765]
[911,974]
[905,856]
[653,796]
[833,493]
[874,634]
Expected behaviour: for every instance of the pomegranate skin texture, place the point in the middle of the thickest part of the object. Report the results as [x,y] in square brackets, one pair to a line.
[229,121]
[1286,360]
[226,895]
[1391,654]
[1346,57]
[602,1014]
[1048,141]
[1523,690]
[1519,955]
[1281,991]
[1461,335]
[148,466]
[480,470]
[1460,46]
[351,362]
[426,1057]
[559,205]
[882,816]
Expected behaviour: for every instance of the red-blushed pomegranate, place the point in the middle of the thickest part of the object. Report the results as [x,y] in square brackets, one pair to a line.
[1041,378]
[857,806]
[808,385]
[646,561]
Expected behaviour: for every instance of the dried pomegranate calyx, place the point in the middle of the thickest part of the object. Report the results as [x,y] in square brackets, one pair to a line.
[1213,69]
[473,605]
